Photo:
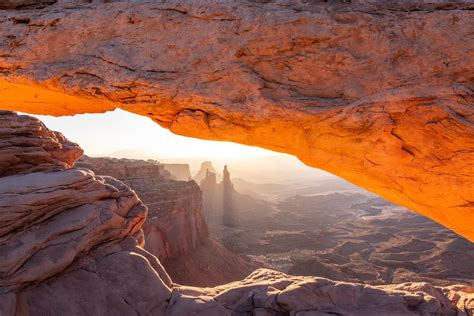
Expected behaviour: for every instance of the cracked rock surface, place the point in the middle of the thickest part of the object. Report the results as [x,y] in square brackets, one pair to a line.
[71,244]
[70,240]
[26,145]
[379,94]
[267,292]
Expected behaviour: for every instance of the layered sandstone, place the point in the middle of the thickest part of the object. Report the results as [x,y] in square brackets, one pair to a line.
[266,292]
[70,245]
[379,94]
[175,223]
[175,229]
[70,241]
[26,145]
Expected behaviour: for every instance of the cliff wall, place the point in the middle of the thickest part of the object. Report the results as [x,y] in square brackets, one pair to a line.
[175,224]
[180,170]
[175,229]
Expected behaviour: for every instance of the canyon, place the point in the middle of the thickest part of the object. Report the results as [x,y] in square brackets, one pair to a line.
[332,229]
[175,230]
[378,94]
[72,243]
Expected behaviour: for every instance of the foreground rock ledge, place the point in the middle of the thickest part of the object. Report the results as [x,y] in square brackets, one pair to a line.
[379,95]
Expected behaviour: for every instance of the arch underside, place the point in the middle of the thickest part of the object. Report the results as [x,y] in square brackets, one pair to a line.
[382,97]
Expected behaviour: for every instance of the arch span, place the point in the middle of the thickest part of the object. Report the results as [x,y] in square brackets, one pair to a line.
[381,96]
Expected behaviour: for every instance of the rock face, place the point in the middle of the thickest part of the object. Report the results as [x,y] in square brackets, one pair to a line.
[26,145]
[379,94]
[175,223]
[228,203]
[267,292]
[68,236]
[220,199]
[70,244]
[206,167]
[175,229]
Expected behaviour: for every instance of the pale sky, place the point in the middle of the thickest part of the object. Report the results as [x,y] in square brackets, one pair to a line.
[103,134]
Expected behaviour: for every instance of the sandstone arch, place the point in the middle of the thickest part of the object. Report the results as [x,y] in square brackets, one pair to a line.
[381,96]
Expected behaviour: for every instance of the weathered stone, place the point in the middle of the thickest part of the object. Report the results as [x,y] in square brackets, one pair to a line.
[26,145]
[68,238]
[318,296]
[175,230]
[175,223]
[379,94]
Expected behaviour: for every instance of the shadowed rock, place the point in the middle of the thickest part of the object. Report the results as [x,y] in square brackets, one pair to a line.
[70,240]
[175,230]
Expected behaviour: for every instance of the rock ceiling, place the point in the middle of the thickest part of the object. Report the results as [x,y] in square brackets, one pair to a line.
[381,96]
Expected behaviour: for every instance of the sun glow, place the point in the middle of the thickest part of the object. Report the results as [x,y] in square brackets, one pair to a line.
[120,133]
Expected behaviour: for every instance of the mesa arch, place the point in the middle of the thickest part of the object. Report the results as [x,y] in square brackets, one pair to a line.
[379,95]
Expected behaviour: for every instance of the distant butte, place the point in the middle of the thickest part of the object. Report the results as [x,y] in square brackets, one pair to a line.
[378,94]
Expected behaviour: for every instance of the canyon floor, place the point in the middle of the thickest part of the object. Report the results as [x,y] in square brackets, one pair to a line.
[335,230]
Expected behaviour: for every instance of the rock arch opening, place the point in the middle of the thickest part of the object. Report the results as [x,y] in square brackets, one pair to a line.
[70,236]
[209,203]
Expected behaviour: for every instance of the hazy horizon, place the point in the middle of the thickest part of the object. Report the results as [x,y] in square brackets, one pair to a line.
[120,134]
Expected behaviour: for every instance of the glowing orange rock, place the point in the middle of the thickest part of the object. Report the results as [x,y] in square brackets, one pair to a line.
[379,96]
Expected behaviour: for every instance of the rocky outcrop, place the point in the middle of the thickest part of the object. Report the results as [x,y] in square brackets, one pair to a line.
[218,198]
[379,94]
[71,241]
[228,199]
[133,169]
[267,292]
[175,223]
[206,167]
[26,145]
[175,229]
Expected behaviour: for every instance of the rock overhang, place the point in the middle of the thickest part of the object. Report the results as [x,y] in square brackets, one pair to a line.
[381,96]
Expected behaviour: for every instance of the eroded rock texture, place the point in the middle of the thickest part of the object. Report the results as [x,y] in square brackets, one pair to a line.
[70,244]
[267,292]
[175,229]
[26,145]
[70,240]
[381,95]
[175,223]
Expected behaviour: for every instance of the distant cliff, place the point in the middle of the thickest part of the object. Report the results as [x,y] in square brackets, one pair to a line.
[175,223]
[179,170]
[175,229]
